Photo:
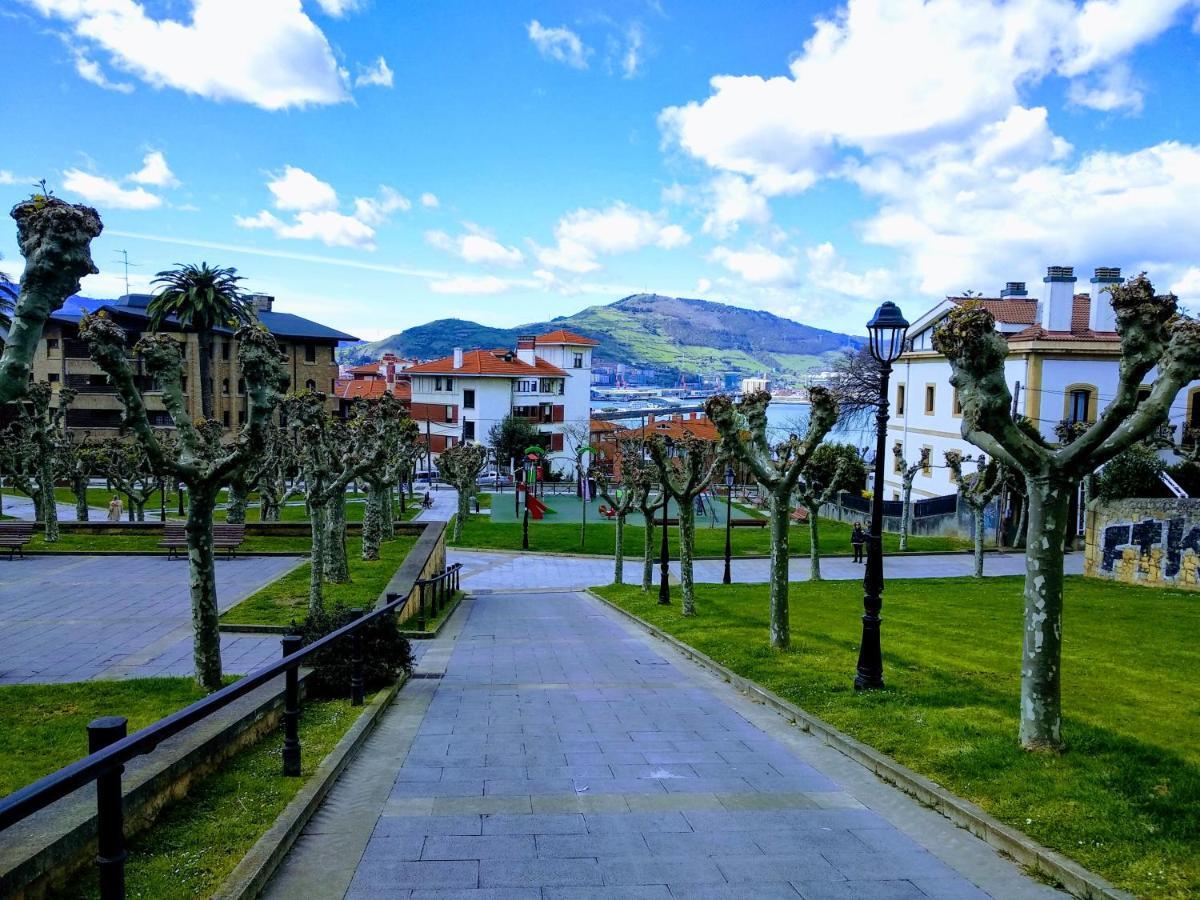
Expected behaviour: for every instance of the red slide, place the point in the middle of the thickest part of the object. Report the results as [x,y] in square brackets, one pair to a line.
[537,508]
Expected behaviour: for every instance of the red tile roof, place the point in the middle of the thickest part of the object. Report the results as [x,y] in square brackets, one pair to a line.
[562,336]
[360,389]
[1079,328]
[366,369]
[486,362]
[1015,312]
[704,429]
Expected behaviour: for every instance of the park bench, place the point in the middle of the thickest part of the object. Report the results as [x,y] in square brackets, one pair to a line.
[748,523]
[14,536]
[800,515]
[225,537]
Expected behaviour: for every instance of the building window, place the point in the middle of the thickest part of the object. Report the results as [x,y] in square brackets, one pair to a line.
[900,399]
[898,458]
[449,413]
[927,461]
[183,383]
[957,406]
[225,418]
[1080,404]
[242,417]
[225,350]
[51,344]
[468,430]
[469,402]
[562,387]
[241,385]
[578,364]
[310,385]
[930,394]
[225,387]
[527,386]
[546,385]
[310,353]
[53,376]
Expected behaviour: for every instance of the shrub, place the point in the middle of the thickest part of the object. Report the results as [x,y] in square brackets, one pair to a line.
[385,653]
[1132,473]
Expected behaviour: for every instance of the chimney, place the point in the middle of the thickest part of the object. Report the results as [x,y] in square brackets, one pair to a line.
[1102,316]
[1058,298]
[1014,290]
[262,302]
[458,357]
[526,349]
[389,368]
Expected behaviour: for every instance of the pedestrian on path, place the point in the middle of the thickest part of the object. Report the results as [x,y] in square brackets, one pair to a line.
[857,539]
[114,509]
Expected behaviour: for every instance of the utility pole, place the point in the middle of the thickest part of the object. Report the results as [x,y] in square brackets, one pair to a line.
[125,260]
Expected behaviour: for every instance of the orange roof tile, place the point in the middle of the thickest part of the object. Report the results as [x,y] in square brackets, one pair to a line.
[704,429]
[1079,328]
[561,336]
[486,362]
[1014,312]
[360,389]
[366,369]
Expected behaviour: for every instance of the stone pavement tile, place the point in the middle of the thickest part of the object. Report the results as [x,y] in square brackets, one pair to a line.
[487,846]
[624,892]
[428,825]
[439,789]
[760,891]
[449,806]
[387,873]
[953,888]
[536,823]
[862,890]
[567,846]
[783,840]
[377,893]
[395,847]
[660,870]
[710,843]
[647,823]
[866,865]
[799,865]
[587,803]
[539,873]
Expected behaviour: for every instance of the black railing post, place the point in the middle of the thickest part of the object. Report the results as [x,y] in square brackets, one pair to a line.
[356,661]
[421,605]
[291,710]
[110,816]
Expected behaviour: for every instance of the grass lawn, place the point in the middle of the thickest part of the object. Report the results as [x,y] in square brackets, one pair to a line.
[287,598]
[1124,800]
[196,842]
[128,543]
[481,533]
[45,725]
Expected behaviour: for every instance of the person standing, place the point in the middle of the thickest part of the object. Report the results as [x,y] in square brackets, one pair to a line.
[114,509]
[857,539]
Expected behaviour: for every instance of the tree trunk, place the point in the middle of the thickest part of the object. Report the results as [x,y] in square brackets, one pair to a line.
[387,513]
[205,340]
[129,504]
[648,552]
[687,547]
[337,567]
[1041,654]
[81,505]
[977,517]
[316,575]
[372,526]
[1020,538]
[202,577]
[906,514]
[49,501]
[814,545]
[464,509]
[140,508]
[235,514]
[780,627]
[619,550]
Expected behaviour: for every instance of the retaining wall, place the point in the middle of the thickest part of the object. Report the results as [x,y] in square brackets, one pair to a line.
[1152,542]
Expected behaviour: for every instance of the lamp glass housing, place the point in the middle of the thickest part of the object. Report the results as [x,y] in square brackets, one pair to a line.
[729,476]
[887,330]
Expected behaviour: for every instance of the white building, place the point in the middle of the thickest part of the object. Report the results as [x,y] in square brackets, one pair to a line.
[546,381]
[1062,366]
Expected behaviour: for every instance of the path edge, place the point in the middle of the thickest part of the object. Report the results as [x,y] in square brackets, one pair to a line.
[1073,877]
[261,861]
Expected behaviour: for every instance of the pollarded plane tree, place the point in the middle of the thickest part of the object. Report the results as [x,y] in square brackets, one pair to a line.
[128,468]
[831,469]
[622,496]
[650,500]
[18,464]
[1152,334]
[743,428]
[908,473]
[36,436]
[79,459]
[201,463]
[279,477]
[395,430]
[402,461]
[685,470]
[460,466]
[55,239]
[977,490]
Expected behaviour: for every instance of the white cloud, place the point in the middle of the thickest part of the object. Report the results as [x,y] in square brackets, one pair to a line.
[264,219]
[703,286]
[268,53]
[631,59]
[756,265]
[154,171]
[471,284]
[826,270]
[430,201]
[475,246]
[730,201]
[296,189]
[560,44]
[107,192]
[339,8]
[89,70]
[375,210]
[7,177]
[377,74]
[331,228]
[1115,89]
[585,234]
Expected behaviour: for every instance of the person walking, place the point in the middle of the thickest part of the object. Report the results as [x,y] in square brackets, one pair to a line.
[114,509]
[857,539]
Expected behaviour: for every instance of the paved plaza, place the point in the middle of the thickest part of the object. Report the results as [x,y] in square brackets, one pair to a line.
[75,618]
[485,570]
[548,749]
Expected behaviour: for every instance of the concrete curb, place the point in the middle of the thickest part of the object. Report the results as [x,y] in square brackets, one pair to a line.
[251,875]
[262,630]
[1068,873]
[430,635]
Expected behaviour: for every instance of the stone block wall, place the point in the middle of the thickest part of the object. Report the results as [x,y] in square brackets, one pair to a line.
[1150,542]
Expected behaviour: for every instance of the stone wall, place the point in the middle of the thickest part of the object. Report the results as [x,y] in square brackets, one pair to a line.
[1145,541]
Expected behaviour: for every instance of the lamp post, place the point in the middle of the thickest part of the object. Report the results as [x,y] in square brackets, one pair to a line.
[887,330]
[729,476]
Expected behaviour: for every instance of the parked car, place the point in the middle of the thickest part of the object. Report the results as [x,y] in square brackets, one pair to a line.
[427,477]
[492,479]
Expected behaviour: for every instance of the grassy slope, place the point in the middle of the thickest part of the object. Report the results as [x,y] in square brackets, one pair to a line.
[1124,800]
[287,597]
[480,533]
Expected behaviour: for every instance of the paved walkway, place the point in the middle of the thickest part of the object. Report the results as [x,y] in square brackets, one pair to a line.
[551,751]
[445,504]
[23,508]
[502,571]
[75,618]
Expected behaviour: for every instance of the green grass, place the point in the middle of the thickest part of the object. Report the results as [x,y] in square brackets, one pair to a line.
[287,598]
[129,543]
[45,725]
[481,533]
[196,842]
[1123,800]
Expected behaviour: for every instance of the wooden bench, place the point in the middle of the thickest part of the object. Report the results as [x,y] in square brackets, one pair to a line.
[225,537]
[748,523]
[800,515]
[14,536]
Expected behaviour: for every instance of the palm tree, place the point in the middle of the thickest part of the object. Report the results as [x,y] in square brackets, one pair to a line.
[203,298]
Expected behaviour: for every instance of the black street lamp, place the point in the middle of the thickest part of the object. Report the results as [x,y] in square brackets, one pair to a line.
[729,476]
[887,330]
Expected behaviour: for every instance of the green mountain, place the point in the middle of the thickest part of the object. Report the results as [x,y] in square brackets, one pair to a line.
[670,334]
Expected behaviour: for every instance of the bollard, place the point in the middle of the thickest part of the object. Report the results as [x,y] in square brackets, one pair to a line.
[110,816]
[291,710]
[356,661]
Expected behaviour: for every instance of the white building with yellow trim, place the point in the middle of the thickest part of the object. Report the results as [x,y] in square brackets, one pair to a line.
[1062,366]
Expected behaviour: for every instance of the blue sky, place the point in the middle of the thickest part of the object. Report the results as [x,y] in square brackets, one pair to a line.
[376,165]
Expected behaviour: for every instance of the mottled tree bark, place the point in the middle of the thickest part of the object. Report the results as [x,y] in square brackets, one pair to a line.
[460,466]
[202,583]
[687,548]
[780,626]
[683,478]
[316,574]
[619,550]
[648,513]
[814,545]
[337,566]
[49,501]
[235,512]
[372,530]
